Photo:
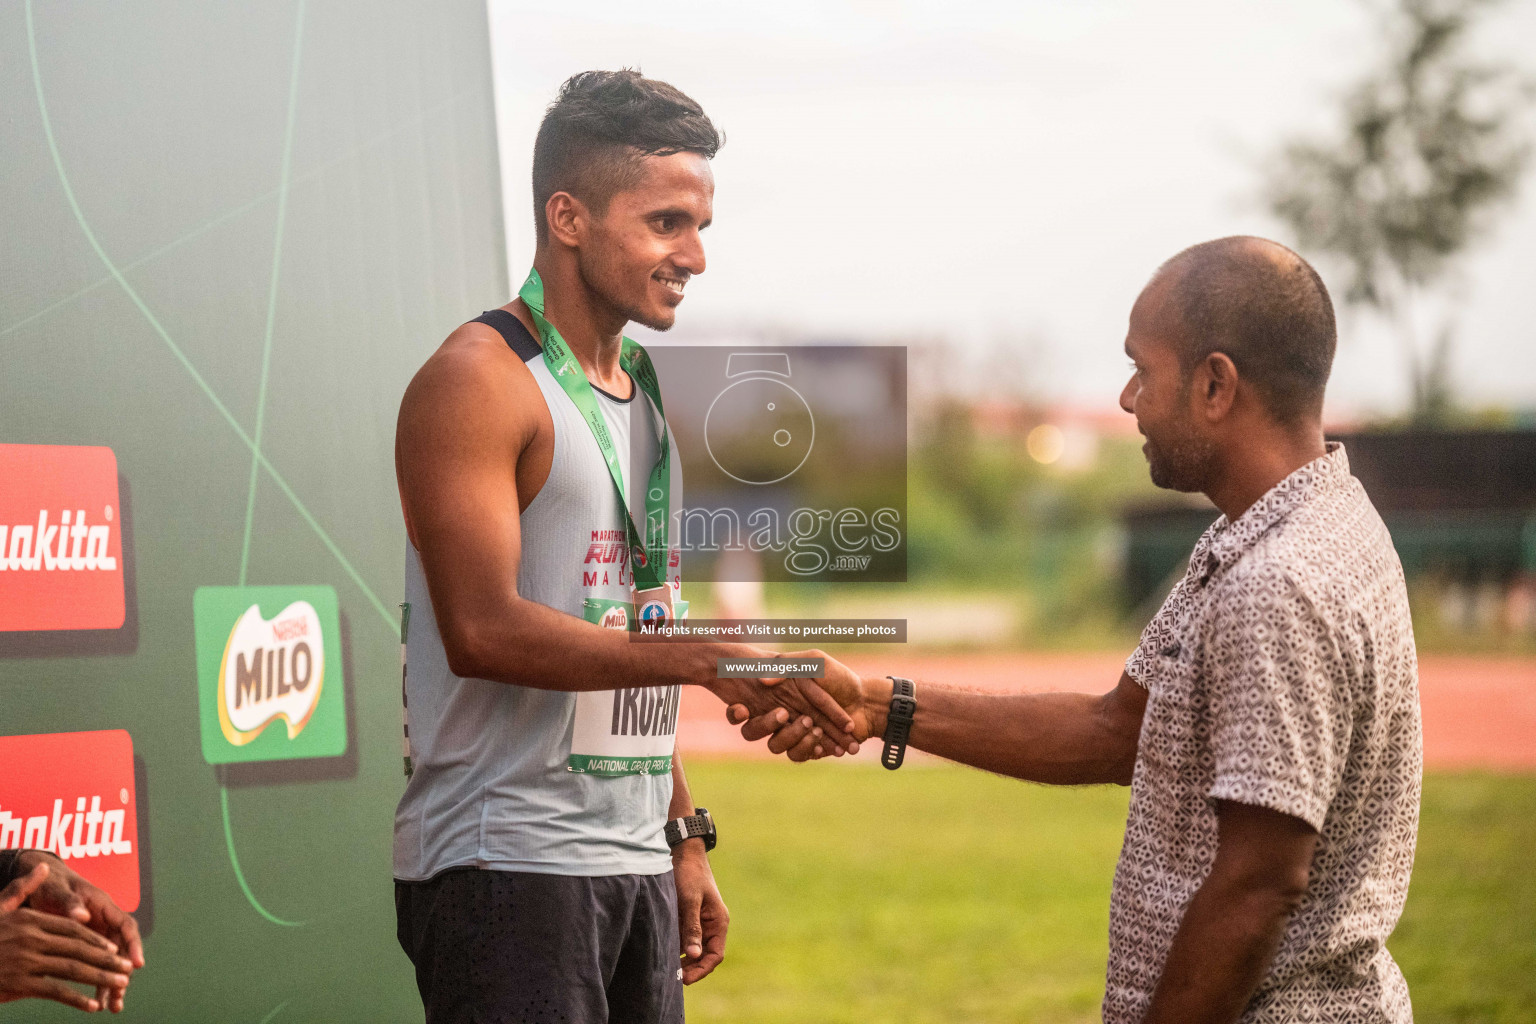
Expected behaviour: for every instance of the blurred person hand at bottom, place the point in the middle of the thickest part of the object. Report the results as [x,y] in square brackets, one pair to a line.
[66,893]
[40,951]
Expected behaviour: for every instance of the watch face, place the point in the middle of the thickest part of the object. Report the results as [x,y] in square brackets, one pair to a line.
[759,430]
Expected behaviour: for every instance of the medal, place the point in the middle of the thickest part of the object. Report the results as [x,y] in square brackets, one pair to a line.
[653,607]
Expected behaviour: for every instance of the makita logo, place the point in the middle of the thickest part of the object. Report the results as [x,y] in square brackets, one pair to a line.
[60,538]
[73,795]
[49,548]
[84,833]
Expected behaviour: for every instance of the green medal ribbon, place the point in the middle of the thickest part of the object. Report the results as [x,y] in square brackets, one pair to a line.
[647,557]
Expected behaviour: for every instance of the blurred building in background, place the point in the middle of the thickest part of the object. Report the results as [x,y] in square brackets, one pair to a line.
[1461,507]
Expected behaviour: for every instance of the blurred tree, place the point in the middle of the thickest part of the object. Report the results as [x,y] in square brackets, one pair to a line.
[1432,142]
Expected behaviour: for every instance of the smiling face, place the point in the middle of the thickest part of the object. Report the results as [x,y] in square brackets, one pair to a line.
[638,256]
[1180,456]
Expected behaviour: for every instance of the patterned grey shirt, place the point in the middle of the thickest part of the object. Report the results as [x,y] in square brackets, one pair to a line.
[1280,673]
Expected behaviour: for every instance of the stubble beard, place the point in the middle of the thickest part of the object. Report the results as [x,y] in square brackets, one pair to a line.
[1181,463]
[603,284]
[654,324]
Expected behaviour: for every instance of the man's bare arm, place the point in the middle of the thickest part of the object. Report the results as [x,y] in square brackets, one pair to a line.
[1234,924]
[465,438]
[702,917]
[1068,739]
[1060,738]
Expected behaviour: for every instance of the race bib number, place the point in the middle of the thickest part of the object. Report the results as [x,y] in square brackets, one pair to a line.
[628,731]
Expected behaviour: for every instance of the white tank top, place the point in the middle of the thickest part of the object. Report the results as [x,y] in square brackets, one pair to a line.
[489,785]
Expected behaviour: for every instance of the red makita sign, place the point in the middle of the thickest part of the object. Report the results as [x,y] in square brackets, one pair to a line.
[72,793]
[61,538]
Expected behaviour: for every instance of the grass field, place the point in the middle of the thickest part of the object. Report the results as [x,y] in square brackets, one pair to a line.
[942,894]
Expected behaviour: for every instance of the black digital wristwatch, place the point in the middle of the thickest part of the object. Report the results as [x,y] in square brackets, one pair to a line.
[898,722]
[696,825]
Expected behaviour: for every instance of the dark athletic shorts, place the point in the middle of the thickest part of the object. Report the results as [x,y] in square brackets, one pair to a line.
[507,947]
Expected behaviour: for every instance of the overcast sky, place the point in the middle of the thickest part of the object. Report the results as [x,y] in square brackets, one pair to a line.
[1005,175]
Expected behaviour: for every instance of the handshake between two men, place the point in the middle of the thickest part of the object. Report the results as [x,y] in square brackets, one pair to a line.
[804,716]
[1054,738]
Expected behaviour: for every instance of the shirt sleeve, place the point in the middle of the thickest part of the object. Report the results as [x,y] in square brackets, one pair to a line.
[1280,709]
[1137,665]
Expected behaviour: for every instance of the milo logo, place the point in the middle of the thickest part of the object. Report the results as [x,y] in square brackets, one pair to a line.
[267,655]
[271,670]
[606,613]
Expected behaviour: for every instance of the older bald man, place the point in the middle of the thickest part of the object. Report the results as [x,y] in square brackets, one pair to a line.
[1268,723]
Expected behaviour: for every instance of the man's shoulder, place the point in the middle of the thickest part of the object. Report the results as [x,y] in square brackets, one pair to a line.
[1329,556]
[508,327]
[473,390]
[1326,539]
[476,347]
[1267,575]
[471,366]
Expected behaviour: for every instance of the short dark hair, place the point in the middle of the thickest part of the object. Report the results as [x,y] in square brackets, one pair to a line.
[600,126]
[1264,307]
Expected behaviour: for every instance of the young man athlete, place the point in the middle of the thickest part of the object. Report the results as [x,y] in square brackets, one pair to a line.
[534,879]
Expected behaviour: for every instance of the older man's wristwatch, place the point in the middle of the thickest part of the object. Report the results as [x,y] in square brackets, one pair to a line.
[898,722]
[699,825]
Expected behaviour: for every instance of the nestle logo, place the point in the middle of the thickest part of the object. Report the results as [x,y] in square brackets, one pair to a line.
[290,629]
[61,558]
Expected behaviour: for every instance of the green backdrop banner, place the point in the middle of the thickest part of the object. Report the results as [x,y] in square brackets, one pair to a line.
[232,233]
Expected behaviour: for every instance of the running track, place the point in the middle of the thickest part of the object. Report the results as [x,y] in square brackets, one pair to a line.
[1478,712]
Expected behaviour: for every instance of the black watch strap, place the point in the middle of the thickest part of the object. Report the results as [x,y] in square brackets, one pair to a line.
[698,825]
[898,722]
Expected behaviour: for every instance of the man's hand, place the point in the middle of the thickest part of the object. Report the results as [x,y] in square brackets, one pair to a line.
[65,893]
[799,737]
[702,919]
[814,700]
[39,951]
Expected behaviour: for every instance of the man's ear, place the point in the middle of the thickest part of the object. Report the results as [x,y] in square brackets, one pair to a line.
[1216,384]
[566,217]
